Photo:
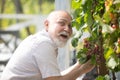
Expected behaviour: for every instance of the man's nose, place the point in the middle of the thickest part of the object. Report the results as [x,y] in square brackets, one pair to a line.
[68,29]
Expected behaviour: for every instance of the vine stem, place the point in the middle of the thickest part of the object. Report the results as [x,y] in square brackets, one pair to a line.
[101,67]
[113,75]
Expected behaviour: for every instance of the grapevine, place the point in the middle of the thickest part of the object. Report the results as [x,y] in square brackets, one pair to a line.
[101,19]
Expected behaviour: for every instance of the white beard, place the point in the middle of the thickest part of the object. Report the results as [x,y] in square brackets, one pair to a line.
[59,43]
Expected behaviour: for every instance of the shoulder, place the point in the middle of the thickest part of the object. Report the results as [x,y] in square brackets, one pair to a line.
[42,38]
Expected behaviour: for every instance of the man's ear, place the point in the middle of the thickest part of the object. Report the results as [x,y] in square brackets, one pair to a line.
[46,23]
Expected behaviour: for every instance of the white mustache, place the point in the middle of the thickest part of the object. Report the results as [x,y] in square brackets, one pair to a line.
[64,33]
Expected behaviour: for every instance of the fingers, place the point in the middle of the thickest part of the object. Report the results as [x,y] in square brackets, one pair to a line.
[87,67]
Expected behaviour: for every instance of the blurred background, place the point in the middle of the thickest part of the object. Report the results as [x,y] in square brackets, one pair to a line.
[21,11]
[21,18]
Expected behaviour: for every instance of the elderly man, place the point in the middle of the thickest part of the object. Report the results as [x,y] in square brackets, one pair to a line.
[36,56]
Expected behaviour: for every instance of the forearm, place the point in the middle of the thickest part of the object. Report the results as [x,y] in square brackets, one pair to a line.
[69,74]
[74,72]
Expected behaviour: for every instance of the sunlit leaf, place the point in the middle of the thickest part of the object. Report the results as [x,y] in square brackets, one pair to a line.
[100,78]
[106,17]
[75,4]
[108,52]
[112,63]
[106,77]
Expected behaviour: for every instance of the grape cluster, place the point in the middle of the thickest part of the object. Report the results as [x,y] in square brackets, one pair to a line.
[92,49]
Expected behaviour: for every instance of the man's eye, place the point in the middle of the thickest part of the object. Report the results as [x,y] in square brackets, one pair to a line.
[61,23]
[70,25]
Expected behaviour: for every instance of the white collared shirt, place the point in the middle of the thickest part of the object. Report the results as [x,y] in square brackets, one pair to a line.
[34,59]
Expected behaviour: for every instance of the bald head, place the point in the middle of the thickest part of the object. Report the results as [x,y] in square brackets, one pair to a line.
[59,13]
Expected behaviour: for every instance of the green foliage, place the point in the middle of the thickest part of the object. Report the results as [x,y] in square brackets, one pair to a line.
[106,77]
[101,19]
[81,55]
[28,7]
[34,7]
[6,22]
[9,7]
[47,7]
[24,33]
[74,42]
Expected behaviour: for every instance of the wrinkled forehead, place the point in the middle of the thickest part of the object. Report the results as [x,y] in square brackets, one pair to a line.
[60,15]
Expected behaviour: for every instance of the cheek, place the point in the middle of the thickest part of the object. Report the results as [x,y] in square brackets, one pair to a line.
[53,31]
[58,28]
[71,32]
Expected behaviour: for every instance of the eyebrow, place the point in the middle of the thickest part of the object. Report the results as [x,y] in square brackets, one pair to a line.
[63,19]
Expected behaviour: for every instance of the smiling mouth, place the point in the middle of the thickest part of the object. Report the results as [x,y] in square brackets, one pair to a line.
[64,35]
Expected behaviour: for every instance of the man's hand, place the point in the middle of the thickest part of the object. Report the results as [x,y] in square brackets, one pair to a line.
[87,67]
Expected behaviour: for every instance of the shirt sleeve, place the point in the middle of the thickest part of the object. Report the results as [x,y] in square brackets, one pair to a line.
[45,56]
